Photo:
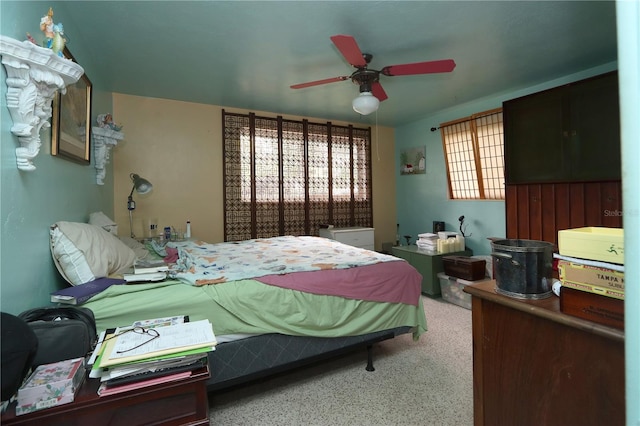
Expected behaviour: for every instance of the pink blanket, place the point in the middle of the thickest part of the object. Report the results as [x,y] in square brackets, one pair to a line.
[393,282]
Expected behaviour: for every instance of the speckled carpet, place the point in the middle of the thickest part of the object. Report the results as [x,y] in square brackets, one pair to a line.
[428,382]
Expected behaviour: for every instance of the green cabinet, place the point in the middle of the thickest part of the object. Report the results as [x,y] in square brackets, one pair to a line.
[567,134]
[428,264]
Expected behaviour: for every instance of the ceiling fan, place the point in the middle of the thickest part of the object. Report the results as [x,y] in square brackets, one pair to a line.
[371,91]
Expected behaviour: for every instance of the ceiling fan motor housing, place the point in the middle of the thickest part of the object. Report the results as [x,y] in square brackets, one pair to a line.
[364,78]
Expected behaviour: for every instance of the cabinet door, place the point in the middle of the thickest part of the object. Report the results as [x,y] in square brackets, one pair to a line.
[424,264]
[595,129]
[535,139]
[427,266]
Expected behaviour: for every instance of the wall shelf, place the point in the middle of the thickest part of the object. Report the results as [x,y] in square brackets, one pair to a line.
[104,139]
[34,75]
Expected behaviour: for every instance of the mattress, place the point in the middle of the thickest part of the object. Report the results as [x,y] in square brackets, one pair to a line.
[252,307]
[276,303]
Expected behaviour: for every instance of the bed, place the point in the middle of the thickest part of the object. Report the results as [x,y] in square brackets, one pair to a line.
[275,303]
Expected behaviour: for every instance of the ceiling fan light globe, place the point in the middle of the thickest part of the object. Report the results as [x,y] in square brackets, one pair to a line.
[365,103]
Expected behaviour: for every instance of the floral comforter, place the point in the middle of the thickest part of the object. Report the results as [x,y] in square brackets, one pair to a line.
[202,263]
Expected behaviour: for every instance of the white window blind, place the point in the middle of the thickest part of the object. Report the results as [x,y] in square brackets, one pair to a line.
[474,153]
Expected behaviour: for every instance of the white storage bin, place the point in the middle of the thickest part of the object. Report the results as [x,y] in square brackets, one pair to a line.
[452,290]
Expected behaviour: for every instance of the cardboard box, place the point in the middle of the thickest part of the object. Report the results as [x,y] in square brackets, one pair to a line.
[592,275]
[608,292]
[452,289]
[603,244]
[593,307]
[50,385]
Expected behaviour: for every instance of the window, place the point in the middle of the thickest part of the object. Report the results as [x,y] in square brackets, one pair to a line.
[286,177]
[474,153]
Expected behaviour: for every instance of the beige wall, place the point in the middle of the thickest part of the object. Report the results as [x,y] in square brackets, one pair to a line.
[178,147]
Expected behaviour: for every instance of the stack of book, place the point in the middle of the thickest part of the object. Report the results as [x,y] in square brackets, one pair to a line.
[150,352]
[146,271]
[592,290]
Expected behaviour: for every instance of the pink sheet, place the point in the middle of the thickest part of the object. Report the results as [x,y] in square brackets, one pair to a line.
[393,282]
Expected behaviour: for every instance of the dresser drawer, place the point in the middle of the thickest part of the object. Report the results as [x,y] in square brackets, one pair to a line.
[357,237]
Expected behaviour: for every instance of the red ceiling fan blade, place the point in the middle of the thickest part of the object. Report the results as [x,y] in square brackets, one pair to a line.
[445,65]
[319,82]
[378,91]
[349,48]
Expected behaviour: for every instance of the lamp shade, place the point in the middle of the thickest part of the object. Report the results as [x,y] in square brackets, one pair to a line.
[365,103]
[141,185]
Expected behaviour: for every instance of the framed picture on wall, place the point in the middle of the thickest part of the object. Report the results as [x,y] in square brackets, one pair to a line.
[71,120]
[413,161]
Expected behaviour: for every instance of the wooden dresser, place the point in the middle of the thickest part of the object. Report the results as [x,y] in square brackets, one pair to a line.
[534,365]
[353,236]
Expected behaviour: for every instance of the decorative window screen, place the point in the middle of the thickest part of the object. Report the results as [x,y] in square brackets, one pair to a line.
[474,152]
[285,177]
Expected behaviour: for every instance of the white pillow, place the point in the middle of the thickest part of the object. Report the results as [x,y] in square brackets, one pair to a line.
[105,222]
[84,252]
[138,248]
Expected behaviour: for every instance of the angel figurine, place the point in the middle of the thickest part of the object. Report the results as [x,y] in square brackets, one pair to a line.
[106,120]
[53,33]
[46,26]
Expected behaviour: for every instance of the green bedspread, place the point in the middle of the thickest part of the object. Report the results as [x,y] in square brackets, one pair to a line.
[249,306]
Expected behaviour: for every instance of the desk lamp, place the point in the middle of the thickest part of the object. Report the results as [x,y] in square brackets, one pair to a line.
[141,186]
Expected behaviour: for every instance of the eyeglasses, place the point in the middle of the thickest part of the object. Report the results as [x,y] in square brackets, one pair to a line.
[152,332]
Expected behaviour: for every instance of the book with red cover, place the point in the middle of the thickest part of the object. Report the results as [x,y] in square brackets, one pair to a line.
[105,389]
[79,294]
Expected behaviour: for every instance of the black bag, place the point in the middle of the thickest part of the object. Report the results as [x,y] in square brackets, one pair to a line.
[63,332]
[19,345]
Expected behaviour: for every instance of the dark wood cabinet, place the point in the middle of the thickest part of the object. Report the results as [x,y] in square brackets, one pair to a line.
[533,138]
[534,365]
[569,133]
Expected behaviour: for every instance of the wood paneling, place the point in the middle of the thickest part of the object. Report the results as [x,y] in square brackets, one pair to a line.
[539,211]
[562,206]
[511,197]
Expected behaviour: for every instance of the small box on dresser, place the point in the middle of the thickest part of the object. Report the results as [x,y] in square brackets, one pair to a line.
[50,385]
[604,310]
[593,243]
[465,267]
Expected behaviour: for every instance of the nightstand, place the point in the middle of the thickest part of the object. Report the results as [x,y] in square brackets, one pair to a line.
[428,263]
[182,402]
